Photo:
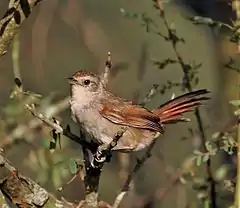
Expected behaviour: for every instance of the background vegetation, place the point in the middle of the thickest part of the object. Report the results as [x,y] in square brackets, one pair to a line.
[161,45]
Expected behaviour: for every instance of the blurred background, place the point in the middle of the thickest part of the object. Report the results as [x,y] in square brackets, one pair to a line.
[63,36]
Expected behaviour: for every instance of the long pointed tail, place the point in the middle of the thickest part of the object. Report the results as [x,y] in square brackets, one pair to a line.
[171,111]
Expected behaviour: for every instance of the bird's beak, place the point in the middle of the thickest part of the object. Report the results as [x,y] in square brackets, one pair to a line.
[71,80]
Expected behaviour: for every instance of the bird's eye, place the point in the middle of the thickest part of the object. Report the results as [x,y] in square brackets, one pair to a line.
[86,82]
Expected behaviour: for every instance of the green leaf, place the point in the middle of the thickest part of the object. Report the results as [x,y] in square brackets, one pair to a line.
[72,166]
[237,112]
[56,177]
[235,102]
[206,203]
[198,160]
[130,15]
[221,172]
[45,143]
[206,158]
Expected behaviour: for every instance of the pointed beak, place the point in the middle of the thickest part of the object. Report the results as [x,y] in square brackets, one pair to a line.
[71,80]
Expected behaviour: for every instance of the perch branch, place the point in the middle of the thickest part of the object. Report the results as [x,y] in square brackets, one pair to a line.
[66,132]
[23,191]
[94,170]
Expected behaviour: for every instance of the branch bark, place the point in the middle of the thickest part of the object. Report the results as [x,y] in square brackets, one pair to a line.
[23,191]
[12,19]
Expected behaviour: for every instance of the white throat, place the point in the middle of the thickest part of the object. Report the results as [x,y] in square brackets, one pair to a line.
[82,97]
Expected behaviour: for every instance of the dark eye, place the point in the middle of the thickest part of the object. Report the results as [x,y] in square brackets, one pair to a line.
[87,82]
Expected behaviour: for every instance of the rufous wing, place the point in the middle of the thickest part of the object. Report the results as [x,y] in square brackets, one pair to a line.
[131,115]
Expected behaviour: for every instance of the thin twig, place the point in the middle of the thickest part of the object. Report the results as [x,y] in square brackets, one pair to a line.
[66,132]
[108,66]
[25,129]
[137,167]
[150,94]
[187,83]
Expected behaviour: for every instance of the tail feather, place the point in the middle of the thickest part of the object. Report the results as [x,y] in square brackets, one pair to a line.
[171,111]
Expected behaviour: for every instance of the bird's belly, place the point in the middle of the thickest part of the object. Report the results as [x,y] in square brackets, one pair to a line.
[135,140]
[97,126]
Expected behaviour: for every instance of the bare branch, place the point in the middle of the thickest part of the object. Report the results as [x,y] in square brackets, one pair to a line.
[137,167]
[94,169]
[66,132]
[108,66]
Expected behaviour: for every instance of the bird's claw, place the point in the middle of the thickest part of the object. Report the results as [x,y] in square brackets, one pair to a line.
[99,158]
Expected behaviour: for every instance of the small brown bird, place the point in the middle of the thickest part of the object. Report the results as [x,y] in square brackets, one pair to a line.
[102,114]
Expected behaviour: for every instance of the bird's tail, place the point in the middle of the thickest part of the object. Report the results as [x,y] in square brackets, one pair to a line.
[171,111]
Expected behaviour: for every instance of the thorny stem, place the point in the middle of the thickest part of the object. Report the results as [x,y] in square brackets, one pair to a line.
[187,83]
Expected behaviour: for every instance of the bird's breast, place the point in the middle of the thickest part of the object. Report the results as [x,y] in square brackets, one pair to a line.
[93,123]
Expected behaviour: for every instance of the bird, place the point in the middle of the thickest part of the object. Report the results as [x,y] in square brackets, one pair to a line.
[101,114]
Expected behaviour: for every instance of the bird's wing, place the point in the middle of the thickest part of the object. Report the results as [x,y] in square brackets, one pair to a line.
[124,113]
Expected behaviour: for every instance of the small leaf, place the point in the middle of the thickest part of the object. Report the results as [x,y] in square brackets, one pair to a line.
[72,166]
[206,158]
[162,64]
[182,180]
[202,20]
[216,135]
[129,14]
[221,172]
[198,160]
[237,112]
[13,94]
[33,94]
[235,102]
[56,178]
[45,143]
